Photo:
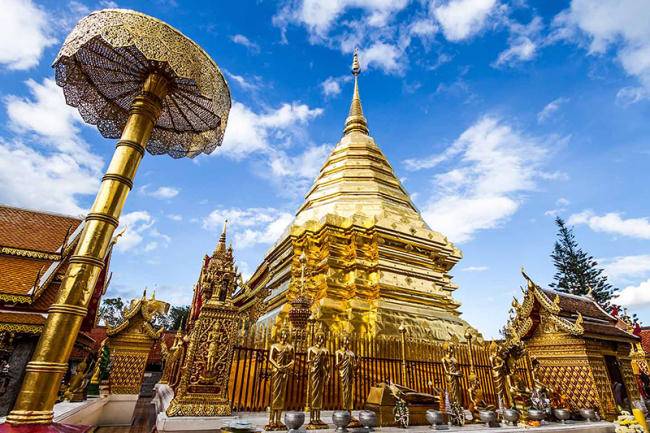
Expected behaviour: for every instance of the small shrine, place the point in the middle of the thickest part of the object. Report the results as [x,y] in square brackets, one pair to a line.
[578,349]
[197,364]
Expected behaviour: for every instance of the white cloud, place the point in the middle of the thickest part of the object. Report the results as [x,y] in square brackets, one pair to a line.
[550,109]
[305,165]
[423,27]
[24,34]
[48,116]
[134,225]
[250,226]
[631,95]
[520,49]
[271,135]
[613,223]
[175,217]
[249,132]
[487,169]
[475,269]
[624,268]
[332,85]
[523,42]
[634,295]
[319,15]
[560,204]
[161,193]
[36,180]
[244,41]
[47,165]
[621,24]
[462,19]
[139,226]
[384,56]
[242,82]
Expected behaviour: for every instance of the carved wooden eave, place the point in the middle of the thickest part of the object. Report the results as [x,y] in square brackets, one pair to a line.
[538,306]
[136,313]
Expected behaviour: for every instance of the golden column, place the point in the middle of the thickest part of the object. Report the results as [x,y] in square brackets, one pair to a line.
[142,81]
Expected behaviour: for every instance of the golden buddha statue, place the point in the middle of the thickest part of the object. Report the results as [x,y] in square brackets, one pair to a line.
[281,357]
[452,374]
[173,359]
[318,362]
[75,389]
[498,365]
[346,364]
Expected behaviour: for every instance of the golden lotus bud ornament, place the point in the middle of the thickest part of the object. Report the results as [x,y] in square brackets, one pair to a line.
[142,81]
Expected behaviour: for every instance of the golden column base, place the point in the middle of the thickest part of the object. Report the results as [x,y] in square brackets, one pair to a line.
[48,365]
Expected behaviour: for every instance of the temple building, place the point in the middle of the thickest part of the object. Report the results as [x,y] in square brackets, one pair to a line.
[583,352]
[371,263]
[34,252]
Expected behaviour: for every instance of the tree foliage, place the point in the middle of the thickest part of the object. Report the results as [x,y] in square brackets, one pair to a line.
[111,311]
[577,272]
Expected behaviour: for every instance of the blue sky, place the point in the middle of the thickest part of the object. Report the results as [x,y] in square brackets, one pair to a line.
[496,115]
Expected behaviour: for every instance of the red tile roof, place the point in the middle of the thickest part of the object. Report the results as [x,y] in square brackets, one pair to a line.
[18,274]
[596,320]
[645,339]
[32,230]
[22,318]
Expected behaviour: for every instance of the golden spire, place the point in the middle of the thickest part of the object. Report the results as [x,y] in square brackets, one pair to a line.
[356,120]
[221,246]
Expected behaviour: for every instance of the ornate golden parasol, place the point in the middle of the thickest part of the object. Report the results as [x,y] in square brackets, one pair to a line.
[139,79]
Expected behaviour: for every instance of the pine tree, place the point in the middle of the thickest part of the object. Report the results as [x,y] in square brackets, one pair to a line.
[578,272]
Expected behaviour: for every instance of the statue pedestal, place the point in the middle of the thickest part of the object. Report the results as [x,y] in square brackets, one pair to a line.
[191,424]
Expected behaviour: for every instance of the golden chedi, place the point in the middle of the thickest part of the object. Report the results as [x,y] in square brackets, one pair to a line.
[372,262]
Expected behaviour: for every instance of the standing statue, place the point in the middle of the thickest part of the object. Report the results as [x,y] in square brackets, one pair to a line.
[452,374]
[173,359]
[498,365]
[213,348]
[346,364]
[318,361]
[281,357]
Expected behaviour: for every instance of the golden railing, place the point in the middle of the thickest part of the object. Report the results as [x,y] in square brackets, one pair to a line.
[379,359]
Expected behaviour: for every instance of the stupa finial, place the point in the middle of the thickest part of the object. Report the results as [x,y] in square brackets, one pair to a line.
[221,246]
[356,120]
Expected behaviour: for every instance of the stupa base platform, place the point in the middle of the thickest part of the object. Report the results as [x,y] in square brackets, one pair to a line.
[259,419]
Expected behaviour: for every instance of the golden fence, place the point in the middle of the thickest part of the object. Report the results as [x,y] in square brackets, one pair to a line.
[379,360]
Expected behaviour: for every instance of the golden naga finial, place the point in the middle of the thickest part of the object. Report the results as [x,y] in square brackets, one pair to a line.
[356,120]
[530,282]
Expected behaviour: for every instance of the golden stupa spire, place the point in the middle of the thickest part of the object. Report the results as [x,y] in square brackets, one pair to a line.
[356,120]
[221,246]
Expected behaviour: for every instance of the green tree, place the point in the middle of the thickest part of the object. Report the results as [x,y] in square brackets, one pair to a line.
[111,311]
[178,315]
[576,271]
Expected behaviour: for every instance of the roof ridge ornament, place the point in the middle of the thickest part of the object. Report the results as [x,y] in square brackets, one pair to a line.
[356,121]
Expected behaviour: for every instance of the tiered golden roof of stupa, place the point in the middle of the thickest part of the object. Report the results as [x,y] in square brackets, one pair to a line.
[373,264]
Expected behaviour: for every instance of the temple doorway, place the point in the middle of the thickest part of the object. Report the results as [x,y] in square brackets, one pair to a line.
[618,384]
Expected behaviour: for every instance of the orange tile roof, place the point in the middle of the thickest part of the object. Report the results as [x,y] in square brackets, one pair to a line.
[32,230]
[22,318]
[645,339]
[18,274]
